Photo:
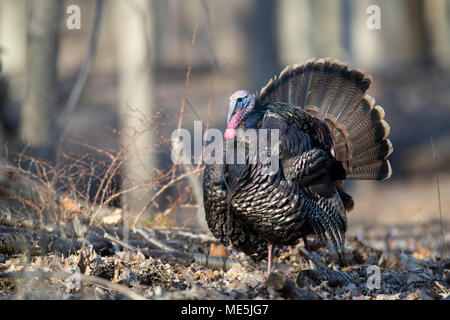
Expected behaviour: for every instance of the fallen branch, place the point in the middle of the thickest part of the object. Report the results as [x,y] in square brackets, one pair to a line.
[82,277]
[332,276]
[335,278]
[180,234]
[15,241]
[11,220]
[152,240]
[119,242]
[313,257]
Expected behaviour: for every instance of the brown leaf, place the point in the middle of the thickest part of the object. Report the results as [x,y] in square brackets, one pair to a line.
[70,205]
[422,253]
[217,251]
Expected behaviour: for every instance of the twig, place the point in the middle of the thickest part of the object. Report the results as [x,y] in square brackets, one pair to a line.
[77,88]
[439,196]
[85,278]
[209,32]
[183,235]
[195,112]
[152,240]
[119,242]
[313,258]
[335,274]
[188,75]
[163,188]
[186,86]
[194,181]
[443,289]
[409,284]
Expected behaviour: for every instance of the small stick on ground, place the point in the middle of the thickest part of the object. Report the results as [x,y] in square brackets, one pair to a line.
[119,242]
[439,196]
[152,240]
[313,258]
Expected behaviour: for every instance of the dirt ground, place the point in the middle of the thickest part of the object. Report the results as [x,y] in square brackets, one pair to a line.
[395,254]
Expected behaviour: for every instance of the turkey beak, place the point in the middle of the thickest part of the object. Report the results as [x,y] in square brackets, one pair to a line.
[231,111]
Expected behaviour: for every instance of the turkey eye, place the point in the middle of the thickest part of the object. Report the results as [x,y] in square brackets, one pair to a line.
[239,99]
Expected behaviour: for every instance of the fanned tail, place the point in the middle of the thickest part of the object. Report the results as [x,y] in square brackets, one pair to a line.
[331,92]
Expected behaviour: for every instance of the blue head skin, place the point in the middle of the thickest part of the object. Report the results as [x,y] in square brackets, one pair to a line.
[241,103]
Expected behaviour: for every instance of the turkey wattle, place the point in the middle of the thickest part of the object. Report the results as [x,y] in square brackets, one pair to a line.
[330,130]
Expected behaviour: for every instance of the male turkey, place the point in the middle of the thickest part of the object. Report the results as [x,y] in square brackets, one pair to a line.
[330,130]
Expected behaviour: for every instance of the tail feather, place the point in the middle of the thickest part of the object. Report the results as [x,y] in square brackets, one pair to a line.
[357,84]
[378,170]
[334,84]
[285,86]
[370,136]
[317,79]
[350,117]
[380,151]
[365,120]
[305,78]
[331,92]
[331,87]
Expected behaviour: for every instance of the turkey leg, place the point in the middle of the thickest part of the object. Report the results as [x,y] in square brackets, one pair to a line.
[269,258]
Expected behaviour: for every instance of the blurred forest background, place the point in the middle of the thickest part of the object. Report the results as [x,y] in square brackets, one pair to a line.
[114,88]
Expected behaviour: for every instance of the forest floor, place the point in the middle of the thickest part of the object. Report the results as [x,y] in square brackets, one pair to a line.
[383,259]
[412,272]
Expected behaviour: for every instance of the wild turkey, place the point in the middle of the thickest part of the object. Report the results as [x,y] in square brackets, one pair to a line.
[330,131]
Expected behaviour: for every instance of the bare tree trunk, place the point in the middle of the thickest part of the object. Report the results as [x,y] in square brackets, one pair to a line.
[294,31]
[314,28]
[134,36]
[3,100]
[262,57]
[436,15]
[400,41]
[326,28]
[41,78]
[346,28]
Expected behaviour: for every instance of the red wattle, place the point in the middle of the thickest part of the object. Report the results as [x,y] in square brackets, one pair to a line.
[230,133]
